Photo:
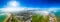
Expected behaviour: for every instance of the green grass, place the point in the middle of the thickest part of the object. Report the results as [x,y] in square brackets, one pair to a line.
[40,18]
[14,19]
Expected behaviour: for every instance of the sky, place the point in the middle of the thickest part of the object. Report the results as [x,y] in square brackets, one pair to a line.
[34,3]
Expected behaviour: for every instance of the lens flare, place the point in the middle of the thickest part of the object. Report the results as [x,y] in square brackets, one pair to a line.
[13,4]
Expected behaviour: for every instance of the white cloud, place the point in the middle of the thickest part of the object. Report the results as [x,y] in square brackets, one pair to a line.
[12,9]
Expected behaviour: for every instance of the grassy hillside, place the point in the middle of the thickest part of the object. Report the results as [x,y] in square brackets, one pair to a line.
[40,18]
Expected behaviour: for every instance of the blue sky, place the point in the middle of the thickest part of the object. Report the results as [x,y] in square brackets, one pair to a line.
[34,3]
